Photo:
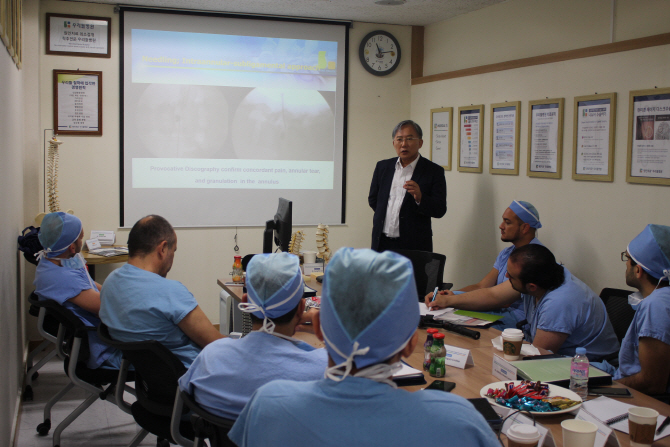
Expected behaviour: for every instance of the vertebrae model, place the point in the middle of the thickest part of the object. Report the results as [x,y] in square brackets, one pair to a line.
[52,175]
[322,243]
[296,242]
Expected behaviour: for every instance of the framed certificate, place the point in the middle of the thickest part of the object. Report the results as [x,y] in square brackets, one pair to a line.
[649,137]
[77,102]
[71,35]
[593,137]
[505,128]
[545,138]
[440,136]
[470,138]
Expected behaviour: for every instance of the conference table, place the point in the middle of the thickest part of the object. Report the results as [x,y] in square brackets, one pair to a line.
[472,379]
[93,260]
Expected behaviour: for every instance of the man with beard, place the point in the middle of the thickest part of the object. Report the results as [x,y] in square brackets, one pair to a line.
[520,222]
[562,312]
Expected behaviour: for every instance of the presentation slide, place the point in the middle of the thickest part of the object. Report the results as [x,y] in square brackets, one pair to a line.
[222,116]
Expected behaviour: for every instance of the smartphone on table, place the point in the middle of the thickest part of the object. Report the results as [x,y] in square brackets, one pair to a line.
[612,392]
[441,385]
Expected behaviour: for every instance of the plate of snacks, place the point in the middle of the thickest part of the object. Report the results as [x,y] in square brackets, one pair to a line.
[537,397]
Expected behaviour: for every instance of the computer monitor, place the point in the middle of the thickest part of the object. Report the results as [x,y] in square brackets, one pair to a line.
[281,227]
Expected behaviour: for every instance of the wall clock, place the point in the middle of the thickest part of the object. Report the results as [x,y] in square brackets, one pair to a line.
[379,53]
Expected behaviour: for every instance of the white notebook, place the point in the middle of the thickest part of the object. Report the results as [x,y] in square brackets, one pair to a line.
[605,409]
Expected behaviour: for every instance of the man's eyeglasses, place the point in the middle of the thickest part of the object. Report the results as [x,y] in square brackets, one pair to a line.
[625,256]
[401,140]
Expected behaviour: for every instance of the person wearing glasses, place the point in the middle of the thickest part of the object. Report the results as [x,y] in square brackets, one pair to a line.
[405,193]
[562,312]
[644,358]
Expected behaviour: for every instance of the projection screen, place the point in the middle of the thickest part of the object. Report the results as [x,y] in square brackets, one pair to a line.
[223,115]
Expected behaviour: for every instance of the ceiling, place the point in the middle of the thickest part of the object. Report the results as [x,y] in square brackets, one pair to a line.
[412,12]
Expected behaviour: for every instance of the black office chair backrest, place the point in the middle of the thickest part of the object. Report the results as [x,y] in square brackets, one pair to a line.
[157,371]
[618,310]
[428,270]
[72,324]
[208,425]
[50,324]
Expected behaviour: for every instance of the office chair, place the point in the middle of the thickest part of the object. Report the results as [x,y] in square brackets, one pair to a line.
[72,344]
[205,424]
[157,370]
[47,326]
[618,310]
[428,270]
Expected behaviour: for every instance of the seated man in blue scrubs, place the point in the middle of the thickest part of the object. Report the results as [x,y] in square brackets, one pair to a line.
[644,358]
[562,312]
[227,372]
[519,224]
[61,276]
[139,303]
[368,321]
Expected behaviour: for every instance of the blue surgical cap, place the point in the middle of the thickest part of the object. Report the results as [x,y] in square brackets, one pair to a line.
[369,301]
[526,212]
[651,250]
[57,232]
[274,284]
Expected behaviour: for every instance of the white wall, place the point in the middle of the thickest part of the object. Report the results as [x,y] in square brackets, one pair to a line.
[11,223]
[375,106]
[586,224]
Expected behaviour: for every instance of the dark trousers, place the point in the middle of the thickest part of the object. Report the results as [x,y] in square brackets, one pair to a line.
[387,243]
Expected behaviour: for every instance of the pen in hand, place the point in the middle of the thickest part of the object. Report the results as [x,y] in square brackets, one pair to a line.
[434,294]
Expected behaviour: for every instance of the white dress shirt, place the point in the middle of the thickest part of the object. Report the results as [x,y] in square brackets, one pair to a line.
[396,196]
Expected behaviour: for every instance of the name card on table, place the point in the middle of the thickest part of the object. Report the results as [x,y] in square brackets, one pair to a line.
[546,440]
[605,436]
[92,244]
[502,369]
[458,357]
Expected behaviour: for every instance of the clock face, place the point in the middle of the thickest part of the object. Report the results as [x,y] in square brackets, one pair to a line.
[379,53]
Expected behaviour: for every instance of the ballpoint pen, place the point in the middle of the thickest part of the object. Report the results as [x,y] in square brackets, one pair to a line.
[434,294]
[664,424]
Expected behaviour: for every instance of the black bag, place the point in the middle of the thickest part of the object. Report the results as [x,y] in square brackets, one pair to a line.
[29,243]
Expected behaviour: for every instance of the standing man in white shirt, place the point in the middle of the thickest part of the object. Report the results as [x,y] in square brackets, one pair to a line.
[406,192]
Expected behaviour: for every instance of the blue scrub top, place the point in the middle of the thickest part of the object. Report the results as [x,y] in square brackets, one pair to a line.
[139,305]
[357,412]
[573,309]
[652,319]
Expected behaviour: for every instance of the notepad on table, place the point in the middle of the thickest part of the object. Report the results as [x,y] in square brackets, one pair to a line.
[408,376]
[610,410]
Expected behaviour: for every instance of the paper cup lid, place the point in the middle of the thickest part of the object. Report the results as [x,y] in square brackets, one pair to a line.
[524,432]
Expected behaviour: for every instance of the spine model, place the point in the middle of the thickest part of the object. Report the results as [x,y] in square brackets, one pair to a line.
[52,175]
[296,242]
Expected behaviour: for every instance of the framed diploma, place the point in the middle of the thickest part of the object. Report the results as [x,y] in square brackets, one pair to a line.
[71,35]
[470,138]
[77,102]
[593,137]
[440,136]
[505,128]
[545,138]
[649,137]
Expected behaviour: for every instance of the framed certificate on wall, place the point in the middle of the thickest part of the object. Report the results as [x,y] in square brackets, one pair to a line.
[649,137]
[593,137]
[440,136]
[505,127]
[77,102]
[545,138]
[470,138]
[71,35]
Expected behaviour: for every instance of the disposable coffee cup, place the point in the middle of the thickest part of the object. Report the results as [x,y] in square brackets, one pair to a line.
[512,339]
[309,257]
[578,433]
[522,435]
[642,426]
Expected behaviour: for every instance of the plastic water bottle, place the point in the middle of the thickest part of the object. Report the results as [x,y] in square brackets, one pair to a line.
[579,373]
